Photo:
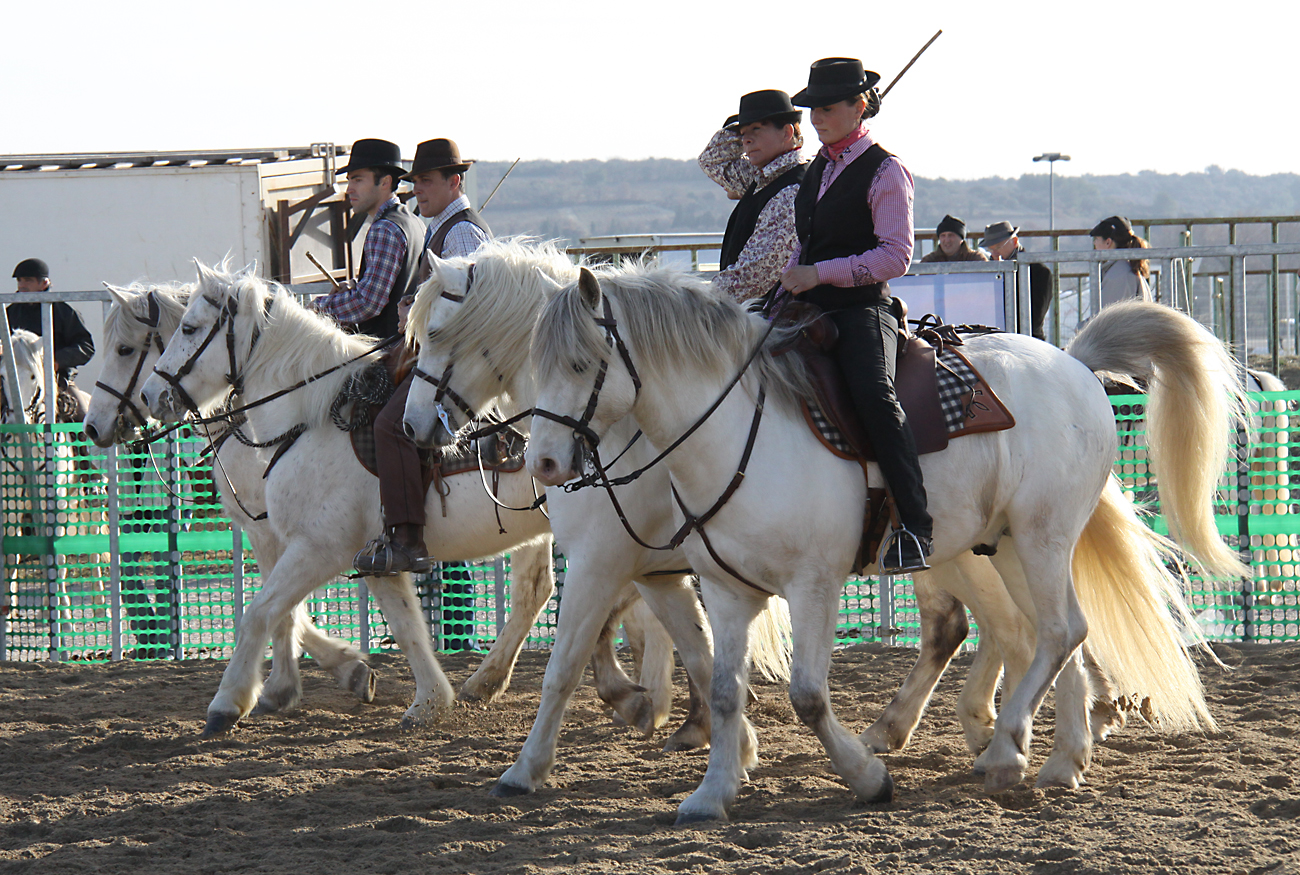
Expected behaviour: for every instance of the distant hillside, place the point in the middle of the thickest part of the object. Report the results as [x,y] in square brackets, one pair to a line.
[573,199]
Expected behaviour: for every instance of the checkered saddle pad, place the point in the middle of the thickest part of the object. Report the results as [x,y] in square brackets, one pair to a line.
[964,404]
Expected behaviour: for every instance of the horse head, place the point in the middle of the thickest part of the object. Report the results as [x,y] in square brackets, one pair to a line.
[471,321]
[29,362]
[140,321]
[204,359]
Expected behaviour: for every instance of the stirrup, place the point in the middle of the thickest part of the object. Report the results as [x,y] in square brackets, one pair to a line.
[903,552]
[384,557]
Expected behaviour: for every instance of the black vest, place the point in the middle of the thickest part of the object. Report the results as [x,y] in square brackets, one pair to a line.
[744,218]
[439,238]
[384,324]
[838,225]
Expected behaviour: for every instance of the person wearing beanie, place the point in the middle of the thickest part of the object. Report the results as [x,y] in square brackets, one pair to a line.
[73,345]
[952,245]
[853,217]
[755,158]
[1121,280]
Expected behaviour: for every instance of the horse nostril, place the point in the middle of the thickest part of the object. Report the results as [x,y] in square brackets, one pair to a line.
[91,431]
[406,427]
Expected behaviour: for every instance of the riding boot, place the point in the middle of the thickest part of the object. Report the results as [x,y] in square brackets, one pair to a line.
[400,549]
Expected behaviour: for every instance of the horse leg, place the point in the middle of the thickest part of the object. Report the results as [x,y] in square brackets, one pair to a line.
[303,567]
[1072,741]
[588,599]
[943,629]
[677,607]
[532,581]
[283,687]
[400,604]
[656,658]
[1103,716]
[1060,628]
[613,685]
[345,662]
[734,746]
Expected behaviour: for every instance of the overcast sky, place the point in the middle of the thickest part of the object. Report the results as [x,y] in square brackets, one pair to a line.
[1165,86]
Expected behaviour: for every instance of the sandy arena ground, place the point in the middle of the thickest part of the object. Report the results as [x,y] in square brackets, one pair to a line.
[101,770]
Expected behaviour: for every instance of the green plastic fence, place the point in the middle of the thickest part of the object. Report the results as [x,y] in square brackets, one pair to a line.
[182,588]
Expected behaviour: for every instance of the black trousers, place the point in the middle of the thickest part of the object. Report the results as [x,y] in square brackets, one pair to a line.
[867,354]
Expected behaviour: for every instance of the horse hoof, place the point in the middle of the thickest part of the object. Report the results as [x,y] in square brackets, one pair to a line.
[219,724]
[361,682]
[688,737]
[263,707]
[502,790]
[480,694]
[885,794]
[690,818]
[1002,779]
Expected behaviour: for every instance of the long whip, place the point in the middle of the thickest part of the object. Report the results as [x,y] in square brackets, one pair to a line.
[483,206]
[910,63]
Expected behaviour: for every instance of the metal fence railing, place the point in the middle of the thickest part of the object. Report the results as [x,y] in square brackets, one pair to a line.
[124,554]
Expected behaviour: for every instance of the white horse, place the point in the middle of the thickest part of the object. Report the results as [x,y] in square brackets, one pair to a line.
[472,321]
[1037,492]
[140,322]
[29,363]
[322,505]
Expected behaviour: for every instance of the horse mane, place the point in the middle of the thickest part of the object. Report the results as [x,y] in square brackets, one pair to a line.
[510,284]
[29,354]
[687,321]
[296,343]
[172,298]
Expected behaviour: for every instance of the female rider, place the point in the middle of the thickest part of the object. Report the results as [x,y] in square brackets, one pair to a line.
[853,217]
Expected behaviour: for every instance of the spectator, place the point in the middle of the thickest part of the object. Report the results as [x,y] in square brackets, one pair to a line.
[755,158]
[1121,280]
[1003,244]
[73,345]
[952,244]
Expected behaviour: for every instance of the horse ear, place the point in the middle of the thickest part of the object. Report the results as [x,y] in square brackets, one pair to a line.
[119,295]
[548,282]
[437,266]
[205,273]
[589,288]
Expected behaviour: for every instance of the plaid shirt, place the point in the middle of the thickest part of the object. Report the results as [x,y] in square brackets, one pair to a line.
[890,201]
[765,253]
[384,254]
[462,238]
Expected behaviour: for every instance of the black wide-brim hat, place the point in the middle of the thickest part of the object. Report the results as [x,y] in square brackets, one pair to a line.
[439,154]
[374,153]
[831,80]
[998,232]
[770,105]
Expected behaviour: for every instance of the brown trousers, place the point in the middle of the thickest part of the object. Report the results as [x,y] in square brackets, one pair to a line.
[401,486]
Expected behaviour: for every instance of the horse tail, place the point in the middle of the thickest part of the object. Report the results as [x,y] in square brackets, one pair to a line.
[770,641]
[1137,619]
[1196,398]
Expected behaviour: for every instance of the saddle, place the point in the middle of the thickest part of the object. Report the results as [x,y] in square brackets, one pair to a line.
[502,453]
[941,393]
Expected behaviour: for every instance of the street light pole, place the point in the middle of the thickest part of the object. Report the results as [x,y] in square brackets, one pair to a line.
[1051,158]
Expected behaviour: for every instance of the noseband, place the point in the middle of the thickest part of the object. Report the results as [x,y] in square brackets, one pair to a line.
[234,377]
[153,338]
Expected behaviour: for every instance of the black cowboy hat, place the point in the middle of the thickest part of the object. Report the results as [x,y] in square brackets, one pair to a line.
[998,232]
[439,154]
[831,80]
[32,267]
[374,153]
[770,105]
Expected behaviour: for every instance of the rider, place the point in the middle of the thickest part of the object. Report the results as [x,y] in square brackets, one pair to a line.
[73,345]
[437,175]
[842,263]
[390,265]
[755,157]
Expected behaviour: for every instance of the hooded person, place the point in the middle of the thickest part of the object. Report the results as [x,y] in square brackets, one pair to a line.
[755,158]
[1121,280]
[853,218]
[951,243]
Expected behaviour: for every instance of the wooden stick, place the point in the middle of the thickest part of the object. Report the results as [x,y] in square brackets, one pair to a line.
[911,62]
[483,206]
[321,268]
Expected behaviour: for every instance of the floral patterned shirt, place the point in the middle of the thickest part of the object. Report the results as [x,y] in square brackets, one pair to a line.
[768,249]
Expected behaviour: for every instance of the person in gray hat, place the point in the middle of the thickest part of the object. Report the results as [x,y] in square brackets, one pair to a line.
[73,344]
[755,158]
[853,216]
[1002,241]
[952,245]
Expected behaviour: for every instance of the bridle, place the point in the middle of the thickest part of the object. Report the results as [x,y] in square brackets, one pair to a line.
[33,410]
[226,317]
[441,383]
[152,339]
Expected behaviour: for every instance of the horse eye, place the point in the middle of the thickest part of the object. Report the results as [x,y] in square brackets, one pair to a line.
[580,367]
[125,350]
[187,330]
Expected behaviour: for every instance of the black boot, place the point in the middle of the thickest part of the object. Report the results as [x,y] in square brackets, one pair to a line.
[400,549]
[904,553]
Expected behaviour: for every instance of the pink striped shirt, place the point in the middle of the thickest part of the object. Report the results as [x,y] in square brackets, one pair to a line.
[890,201]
